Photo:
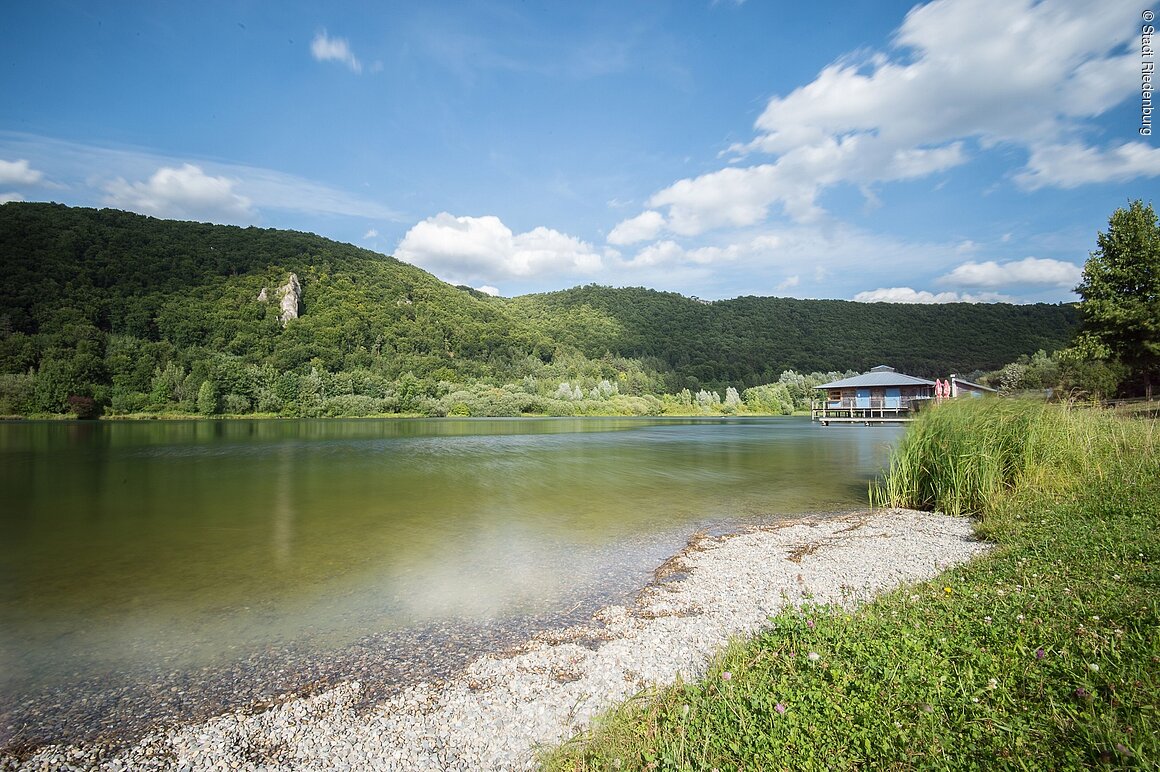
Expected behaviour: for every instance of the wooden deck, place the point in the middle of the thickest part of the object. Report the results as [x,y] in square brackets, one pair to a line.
[877,412]
[867,420]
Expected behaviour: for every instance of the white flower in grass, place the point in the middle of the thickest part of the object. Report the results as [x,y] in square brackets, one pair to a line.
[814,656]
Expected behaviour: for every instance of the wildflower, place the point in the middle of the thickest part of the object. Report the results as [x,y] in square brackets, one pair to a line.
[726,676]
[1116,577]
[974,699]
[993,684]
[684,710]
[987,620]
[810,623]
[1095,619]
[947,590]
[1019,618]
[779,707]
[1093,667]
[1040,653]
[1081,692]
[814,656]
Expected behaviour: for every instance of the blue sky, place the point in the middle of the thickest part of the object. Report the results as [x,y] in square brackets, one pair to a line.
[870,150]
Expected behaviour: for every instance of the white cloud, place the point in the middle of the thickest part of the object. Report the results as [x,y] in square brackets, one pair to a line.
[183,193]
[7,197]
[18,172]
[643,227]
[660,253]
[487,289]
[87,171]
[476,249]
[788,283]
[908,295]
[1072,165]
[327,49]
[371,234]
[669,252]
[1030,270]
[964,77]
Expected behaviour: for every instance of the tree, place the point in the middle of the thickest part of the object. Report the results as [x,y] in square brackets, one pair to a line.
[1121,290]
[207,398]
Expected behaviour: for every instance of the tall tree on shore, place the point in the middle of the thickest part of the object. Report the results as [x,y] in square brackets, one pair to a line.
[1121,291]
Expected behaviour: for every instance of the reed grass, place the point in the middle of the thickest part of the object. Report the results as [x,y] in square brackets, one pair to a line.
[968,457]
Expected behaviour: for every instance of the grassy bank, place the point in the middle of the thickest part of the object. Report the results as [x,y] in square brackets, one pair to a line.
[1044,655]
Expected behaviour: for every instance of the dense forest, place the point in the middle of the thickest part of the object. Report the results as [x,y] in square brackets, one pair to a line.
[104,310]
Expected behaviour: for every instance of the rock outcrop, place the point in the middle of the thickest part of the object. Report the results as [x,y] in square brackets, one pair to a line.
[291,293]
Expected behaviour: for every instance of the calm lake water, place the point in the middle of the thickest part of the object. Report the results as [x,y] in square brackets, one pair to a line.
[144,560]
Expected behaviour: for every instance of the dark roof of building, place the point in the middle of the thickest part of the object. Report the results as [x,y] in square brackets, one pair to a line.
[882,375]
[973,385]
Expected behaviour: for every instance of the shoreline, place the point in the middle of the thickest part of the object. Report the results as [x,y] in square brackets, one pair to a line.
[498,709]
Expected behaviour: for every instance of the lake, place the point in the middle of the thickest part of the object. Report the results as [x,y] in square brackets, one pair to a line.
[158,571]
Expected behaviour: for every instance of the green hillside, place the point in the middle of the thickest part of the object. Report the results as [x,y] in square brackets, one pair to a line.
[140,314]
[751,340]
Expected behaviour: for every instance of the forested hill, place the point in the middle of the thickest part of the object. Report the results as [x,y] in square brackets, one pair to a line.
[140,313]
[753,339]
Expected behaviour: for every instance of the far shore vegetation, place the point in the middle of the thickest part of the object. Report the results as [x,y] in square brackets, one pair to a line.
[110,313]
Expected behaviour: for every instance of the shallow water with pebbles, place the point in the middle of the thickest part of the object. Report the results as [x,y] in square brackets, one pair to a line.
[498,709]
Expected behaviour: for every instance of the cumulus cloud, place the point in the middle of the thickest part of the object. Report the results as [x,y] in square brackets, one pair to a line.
[487,289]
[1072,165]
[476,249]
[669,252]
[18,172]
[327,49]
[661,253]
[9,197]
[643,227]
[964,76]
[183,193]
[909,295]
[371,234]
[1028,271]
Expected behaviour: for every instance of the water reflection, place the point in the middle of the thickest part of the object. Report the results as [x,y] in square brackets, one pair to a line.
[283,510]
[189,544]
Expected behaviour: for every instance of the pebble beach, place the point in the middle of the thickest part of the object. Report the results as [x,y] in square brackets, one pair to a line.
[501,707]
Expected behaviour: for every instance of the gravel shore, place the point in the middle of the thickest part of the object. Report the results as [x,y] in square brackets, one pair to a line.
[502,706]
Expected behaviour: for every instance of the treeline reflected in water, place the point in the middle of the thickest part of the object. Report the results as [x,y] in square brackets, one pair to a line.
[194,543]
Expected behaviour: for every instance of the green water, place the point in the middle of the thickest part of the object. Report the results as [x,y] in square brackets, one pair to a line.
[180,545]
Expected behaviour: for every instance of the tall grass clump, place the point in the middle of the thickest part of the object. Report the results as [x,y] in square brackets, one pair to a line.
[965,457]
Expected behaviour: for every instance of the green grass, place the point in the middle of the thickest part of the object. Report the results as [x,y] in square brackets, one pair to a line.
[1043,655]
